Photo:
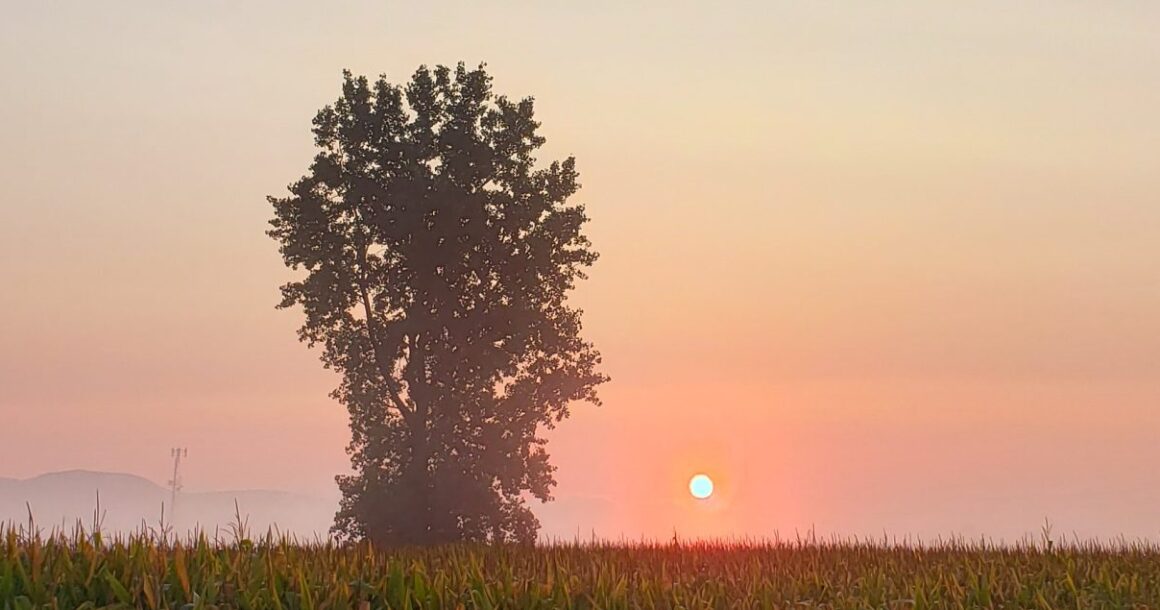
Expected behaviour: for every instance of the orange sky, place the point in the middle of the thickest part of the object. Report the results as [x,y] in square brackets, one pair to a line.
[874,266]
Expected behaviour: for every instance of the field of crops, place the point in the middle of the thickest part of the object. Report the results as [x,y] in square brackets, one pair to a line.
[83,570]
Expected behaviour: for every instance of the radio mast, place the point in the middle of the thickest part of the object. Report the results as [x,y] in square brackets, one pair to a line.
[175,482]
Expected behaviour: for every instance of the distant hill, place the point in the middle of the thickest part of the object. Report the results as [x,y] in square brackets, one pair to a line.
[128,501]
[60,499]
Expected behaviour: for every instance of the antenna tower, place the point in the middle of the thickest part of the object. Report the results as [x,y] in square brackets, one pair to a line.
[175,482]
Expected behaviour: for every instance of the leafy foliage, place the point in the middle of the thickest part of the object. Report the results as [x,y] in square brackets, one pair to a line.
[438,259]
[141,571]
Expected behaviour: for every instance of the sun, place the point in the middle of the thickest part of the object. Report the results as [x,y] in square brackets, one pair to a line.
[701,486]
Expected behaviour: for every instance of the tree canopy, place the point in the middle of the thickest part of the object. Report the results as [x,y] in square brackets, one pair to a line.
[436,257]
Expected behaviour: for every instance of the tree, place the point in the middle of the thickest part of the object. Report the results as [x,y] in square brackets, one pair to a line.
[438,259]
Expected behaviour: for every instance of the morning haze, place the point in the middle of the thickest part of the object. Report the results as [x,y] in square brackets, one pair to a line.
[870,273]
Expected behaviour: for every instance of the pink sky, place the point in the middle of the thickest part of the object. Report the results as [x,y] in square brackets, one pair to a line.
[872,267]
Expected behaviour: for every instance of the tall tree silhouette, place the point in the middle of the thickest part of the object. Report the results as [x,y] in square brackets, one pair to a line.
[438,258]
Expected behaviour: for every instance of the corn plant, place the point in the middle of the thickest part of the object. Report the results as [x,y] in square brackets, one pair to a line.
[154,569]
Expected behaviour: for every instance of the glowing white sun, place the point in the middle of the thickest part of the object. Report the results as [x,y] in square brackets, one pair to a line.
[701,486]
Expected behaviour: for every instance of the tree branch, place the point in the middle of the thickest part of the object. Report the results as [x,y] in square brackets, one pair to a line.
[381,360]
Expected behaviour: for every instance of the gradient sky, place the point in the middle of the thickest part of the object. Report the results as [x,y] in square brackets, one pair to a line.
[874,266]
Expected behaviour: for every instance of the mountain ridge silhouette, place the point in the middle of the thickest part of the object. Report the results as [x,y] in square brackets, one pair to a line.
[128,502]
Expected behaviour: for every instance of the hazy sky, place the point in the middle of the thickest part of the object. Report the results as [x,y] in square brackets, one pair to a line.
[872,265]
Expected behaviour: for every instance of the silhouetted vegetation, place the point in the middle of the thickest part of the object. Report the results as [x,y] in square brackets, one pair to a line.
[85,571]
[438,258]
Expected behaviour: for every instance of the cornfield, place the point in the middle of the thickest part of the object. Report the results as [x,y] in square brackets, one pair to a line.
[82,569]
